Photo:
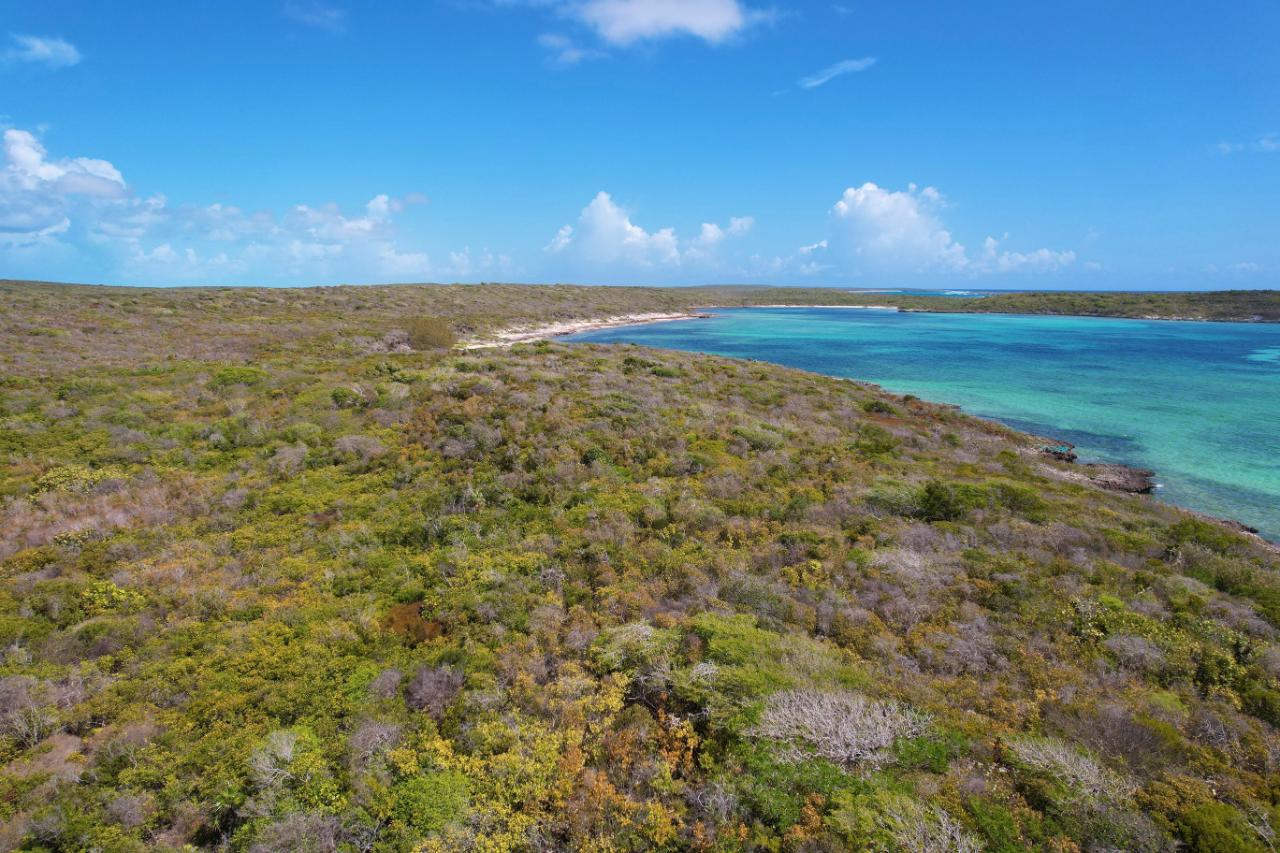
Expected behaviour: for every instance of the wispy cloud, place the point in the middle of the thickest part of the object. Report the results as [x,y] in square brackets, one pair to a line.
[50,51]
[1268,144]
[826,75]
[565,51]
[317,15]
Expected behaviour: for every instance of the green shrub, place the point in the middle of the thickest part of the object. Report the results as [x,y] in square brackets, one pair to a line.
[932,752]
[432,801]
[1217,828]
[876,406]
[1263,703]
[1023,500]
[1197,532]
[875,440]
[236,375]
[894,497]
[758,438]
[428,333]
[939,501]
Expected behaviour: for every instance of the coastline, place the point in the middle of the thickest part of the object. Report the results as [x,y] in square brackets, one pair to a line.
[529,334]
[512,335]
[1171,318]
[1108,476]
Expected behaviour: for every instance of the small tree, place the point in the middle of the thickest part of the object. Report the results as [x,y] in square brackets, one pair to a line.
[939,502]
[430,333]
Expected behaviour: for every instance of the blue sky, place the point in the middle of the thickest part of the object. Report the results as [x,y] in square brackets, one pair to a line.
[987,144]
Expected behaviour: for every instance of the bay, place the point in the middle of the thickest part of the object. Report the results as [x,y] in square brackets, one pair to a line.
[1197,402]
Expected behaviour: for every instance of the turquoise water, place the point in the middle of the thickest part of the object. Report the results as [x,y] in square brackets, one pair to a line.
[1197,402]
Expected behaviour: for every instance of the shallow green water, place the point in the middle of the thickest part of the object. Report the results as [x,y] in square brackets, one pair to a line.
[1197,402]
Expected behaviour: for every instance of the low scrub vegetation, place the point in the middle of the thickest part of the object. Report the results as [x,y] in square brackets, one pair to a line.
[577,597]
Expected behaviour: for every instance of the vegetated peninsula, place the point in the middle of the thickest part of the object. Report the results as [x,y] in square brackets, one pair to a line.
[1236,306]
[282,571]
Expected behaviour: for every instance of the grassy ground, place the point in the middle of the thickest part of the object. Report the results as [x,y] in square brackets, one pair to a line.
[268,582]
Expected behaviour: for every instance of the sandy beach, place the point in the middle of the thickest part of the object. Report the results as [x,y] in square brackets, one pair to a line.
[527,334]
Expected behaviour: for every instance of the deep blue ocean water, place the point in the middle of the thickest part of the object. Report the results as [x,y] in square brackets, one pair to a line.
[1197,402]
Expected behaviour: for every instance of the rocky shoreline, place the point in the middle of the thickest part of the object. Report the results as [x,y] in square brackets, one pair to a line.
[1111,476]
[1107,475]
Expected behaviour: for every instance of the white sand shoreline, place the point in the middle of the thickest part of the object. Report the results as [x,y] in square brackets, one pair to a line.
[529,334]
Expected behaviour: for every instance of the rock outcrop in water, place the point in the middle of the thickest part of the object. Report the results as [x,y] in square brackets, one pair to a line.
[1121,478]
[1117,478]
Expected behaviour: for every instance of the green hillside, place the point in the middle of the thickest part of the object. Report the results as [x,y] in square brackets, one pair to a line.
[272,578]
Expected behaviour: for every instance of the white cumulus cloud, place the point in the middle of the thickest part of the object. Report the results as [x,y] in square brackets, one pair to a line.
[623,22]
[605,241]
[30,169]
[901,231]
[81,207]
[606,236]
[890,230]
[1039,260]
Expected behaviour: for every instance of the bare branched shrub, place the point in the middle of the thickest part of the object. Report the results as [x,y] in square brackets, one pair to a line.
[369,739]
[270,764]
[233,499]
[130,810]
[150,503]
[361,449]
[302,832]
[1112,730]
[1136,653]
[25,714]
[387,684]
[635,645]
[1081,773]
[433,689]
[1269,660]
[930,831]
[1213,726]
[970,650]
[288,460]
[1242,616]
[840,726]
[715,801]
